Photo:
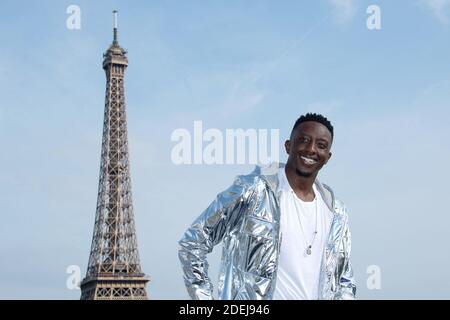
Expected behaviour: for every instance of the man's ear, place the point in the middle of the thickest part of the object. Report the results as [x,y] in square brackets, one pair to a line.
[287,146]
[329,156]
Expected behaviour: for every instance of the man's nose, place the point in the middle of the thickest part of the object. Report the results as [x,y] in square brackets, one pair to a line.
[311,147]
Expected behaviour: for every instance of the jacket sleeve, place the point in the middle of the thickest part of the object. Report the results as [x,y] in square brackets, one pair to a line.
[204,233]
[347,287]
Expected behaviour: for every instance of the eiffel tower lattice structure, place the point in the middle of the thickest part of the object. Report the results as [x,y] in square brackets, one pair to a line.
[114,270]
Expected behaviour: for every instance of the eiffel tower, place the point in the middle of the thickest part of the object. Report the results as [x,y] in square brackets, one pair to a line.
[114,271]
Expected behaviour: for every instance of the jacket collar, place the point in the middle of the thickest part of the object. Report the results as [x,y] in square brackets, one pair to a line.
[270,175]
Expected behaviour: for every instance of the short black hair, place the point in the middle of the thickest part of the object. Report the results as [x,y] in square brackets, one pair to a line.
[314,117]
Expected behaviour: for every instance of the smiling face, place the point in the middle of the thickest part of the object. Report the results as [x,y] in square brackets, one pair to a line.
[309,148]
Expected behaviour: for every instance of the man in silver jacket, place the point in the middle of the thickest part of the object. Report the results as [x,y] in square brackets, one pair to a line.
[246,218]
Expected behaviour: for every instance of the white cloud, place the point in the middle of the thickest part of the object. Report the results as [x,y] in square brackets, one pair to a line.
[439,8]
[241,98]
[345,10]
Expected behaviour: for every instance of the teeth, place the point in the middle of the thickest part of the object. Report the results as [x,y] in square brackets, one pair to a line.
[308,161]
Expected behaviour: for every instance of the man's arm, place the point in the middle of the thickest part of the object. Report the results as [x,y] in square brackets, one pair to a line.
[204,233]
[347,286]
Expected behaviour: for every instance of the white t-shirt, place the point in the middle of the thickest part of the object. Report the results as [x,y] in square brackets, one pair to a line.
[298,273]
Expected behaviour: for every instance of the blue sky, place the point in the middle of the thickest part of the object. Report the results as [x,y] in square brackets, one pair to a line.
[230,64]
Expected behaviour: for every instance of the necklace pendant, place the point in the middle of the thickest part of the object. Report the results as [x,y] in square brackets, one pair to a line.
[308,251]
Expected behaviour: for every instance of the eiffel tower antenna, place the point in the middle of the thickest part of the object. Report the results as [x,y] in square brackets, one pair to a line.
[114,270]
[115,27]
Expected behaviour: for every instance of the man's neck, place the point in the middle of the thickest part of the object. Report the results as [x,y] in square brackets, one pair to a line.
[302,186]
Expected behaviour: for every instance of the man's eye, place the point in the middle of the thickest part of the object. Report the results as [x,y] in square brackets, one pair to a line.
[322,146]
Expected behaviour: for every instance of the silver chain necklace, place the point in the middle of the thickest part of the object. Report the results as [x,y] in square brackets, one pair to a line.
[308,246]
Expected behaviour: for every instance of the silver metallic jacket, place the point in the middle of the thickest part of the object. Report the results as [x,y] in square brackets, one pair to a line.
[246,217]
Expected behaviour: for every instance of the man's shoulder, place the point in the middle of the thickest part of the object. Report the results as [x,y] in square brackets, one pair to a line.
[250,181]
[260,174]
[338,205]
[340,208]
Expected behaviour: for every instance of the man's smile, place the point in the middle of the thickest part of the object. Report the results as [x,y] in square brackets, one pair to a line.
[308,161]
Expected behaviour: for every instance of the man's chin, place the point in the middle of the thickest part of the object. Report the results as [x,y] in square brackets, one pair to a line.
[304,173]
